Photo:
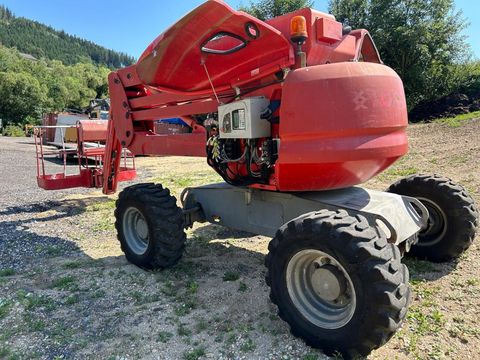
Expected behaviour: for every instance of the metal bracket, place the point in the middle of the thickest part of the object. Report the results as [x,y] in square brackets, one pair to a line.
[121,114]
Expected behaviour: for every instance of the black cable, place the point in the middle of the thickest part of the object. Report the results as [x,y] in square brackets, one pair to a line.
[222,169]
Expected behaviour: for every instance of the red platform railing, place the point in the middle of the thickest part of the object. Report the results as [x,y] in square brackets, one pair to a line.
[88,153]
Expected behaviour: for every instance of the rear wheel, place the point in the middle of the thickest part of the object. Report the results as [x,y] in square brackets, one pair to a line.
[150,226]
[453,217]
[337,282]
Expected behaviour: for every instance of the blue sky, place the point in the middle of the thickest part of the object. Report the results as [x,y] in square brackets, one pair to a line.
[129,26]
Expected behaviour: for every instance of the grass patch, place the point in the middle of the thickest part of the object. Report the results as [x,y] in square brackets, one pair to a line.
[192,287]
[195,354]
[31,301]
[402,168]
[182,330]
[231,276]
[169,289]
[71,265]
[138,296]
[185,308]
[5,335]
[458,159]
[141,299]
[103,220]
[109,204]
[67,283]
[248,345]
[62,334]
[4,308]
[427,292]
[97,294]
[422,322]
[33,323]
[164,336]
[104,223]
[184,182]
[402,172]
[423,317]
[310,357]
[53,250]
[242,287]
[232,337]
[458,120]
[460,329]
[197,179]
[186,269]
[7,272]
[5,352]
[417,267]
[72,299]
[201,325]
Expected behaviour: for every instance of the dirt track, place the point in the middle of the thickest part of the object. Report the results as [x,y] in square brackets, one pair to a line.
[67,291]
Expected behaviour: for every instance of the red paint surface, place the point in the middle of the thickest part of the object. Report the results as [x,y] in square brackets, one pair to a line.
[92,130]
[174,60]
[341,124]
[341,120]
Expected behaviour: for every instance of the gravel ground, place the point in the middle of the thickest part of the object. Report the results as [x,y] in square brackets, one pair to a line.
[66,290]
[20,201]
[18,184]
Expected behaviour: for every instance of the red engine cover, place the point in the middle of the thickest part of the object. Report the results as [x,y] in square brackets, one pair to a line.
[173,62]
[341,124]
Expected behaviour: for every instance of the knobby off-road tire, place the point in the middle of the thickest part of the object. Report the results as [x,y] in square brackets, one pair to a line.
[453,217]
[375,291]
[150,226]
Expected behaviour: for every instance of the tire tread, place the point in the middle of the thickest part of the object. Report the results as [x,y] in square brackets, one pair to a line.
[377,259]
[167,224]
[462,204]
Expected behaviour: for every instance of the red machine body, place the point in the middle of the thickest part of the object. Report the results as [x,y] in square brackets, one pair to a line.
[335,123]
[349,128]
[338,116]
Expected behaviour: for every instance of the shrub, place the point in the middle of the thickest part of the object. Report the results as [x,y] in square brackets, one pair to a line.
[13,131]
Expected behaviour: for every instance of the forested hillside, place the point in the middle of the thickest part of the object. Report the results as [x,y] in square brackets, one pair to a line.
[42,41]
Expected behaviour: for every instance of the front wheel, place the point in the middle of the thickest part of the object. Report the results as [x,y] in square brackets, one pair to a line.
[150,226]
[337,282]
[453,217]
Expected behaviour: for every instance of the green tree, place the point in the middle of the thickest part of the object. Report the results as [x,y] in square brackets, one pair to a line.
[5,13]
[30,88]
[22,97]
[268,9]
[421,39]
[471,84]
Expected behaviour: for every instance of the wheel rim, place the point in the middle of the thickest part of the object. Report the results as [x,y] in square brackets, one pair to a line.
[135,230]
[321,289]
[436,227]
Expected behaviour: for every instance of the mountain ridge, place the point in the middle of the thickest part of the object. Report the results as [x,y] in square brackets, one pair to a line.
[43,41]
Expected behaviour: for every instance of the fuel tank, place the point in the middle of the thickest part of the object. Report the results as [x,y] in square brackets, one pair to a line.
[340,125]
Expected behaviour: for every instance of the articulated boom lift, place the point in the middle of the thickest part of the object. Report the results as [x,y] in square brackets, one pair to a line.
[293,113]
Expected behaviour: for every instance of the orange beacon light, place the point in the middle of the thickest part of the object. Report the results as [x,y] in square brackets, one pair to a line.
[298,29]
